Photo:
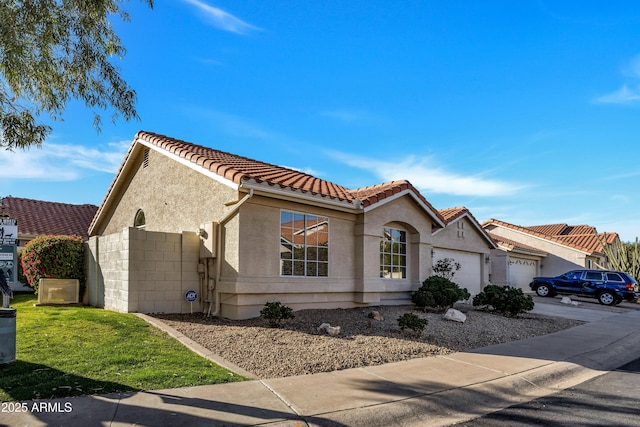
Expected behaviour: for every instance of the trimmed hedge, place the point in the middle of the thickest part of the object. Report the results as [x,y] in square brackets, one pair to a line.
[58,257]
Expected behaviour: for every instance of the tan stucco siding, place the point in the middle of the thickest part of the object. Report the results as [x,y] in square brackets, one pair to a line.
[461,235]
[173,197]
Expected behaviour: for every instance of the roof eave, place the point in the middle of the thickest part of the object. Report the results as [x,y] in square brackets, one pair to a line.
[435,217]
[300,196]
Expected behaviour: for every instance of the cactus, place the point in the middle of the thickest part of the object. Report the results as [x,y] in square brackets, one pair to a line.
[622,256]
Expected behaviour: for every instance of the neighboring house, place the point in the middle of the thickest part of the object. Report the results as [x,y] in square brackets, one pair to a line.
[241,232]
[38,218]
[514,263]
[546,250]
[465,241]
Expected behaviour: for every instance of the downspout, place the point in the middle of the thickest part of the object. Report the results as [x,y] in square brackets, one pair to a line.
[219,254]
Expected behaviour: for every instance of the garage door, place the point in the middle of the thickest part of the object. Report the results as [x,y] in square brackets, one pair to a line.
[521,271]
[470,274]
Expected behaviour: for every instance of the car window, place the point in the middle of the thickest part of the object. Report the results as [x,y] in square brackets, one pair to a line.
[572,275]
[593,275]
[614,277]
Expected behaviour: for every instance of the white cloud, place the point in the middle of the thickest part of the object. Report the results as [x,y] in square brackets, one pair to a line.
[628,93]
[425,175]
[60,162]
[624,95]
[223,20]
[353,116]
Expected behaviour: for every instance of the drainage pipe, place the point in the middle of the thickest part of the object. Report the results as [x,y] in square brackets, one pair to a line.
[218,243]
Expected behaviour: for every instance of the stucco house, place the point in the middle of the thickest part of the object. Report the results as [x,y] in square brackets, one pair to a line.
[182,217]
[544,250]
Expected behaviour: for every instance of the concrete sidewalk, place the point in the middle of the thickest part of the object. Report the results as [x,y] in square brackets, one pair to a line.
[433,391]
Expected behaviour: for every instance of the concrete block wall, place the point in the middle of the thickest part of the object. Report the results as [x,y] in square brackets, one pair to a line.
[113,264]
[143,271]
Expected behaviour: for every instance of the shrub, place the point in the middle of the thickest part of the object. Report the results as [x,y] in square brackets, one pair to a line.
[505,300]
[59,257]
[21,276]
[413,322]
[439,292]
[274,312]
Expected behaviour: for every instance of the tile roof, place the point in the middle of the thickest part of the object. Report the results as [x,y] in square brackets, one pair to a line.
[580,237]
[36,217]
[512,245]
[245,171]
[450,214]
[549,229]
[238,168]
[376,193]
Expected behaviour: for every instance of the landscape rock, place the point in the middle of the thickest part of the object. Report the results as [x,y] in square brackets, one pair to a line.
[323,327]
[567,300]
[333,330]
[455,315]
[375,315]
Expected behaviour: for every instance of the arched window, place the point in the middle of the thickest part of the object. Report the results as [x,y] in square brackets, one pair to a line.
[139,221]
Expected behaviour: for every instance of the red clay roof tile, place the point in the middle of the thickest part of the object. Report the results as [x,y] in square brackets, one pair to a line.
[37,217]
[586,242]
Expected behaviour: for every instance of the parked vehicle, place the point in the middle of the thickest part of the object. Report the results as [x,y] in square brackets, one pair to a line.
[609,287]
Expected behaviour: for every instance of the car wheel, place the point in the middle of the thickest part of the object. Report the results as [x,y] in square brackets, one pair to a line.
[543,290]
[607,298]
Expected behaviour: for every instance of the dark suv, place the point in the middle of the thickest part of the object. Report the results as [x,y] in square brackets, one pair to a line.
[610,287]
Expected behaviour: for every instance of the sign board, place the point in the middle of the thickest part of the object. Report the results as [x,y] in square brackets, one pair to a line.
[191,296]
[8,231]
[9,262]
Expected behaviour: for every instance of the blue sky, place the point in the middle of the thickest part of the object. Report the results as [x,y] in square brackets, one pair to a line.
[524,111]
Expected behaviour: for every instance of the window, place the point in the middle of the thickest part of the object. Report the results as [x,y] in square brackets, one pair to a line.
[393,254]
[614,277]
[593,275]
[139,221]
[304,245]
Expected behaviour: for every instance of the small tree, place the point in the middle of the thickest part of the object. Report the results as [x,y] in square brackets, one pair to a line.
[60,257]
[439,292]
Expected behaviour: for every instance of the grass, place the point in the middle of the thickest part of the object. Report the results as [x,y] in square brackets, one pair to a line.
[71,351]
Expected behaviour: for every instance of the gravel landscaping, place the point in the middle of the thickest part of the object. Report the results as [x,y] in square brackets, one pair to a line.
[298,347]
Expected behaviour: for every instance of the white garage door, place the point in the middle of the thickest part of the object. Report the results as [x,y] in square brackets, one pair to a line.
[521,271]
[470,274]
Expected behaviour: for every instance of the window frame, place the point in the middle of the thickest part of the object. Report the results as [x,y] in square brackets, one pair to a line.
[312,258]
[393,256]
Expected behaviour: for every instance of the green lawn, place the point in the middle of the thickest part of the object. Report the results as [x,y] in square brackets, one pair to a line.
[71,351]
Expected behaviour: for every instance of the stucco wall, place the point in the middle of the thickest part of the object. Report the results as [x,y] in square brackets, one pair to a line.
[251,269]
[173,197]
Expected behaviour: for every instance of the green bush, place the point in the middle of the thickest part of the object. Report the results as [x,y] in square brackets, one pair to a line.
[439,292]
[413,322]
[59,257]
[505,300]
[21,276]
[274,312]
